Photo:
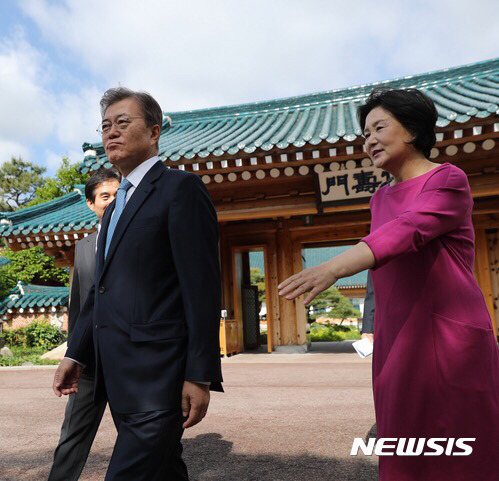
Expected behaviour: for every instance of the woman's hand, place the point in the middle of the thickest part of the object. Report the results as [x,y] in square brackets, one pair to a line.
[313,280]
[317,279]
[368,335]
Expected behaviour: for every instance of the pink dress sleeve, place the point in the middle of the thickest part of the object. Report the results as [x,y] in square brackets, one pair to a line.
[440,207]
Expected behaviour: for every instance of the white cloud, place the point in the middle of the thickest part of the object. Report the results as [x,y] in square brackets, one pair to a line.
[53,159]
[26,106]
[34,113]
[77,115]
[9,149]
[194,53]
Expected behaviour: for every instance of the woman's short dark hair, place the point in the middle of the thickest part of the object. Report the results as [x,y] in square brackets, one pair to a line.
[153,115]
[101,175]
[412,108]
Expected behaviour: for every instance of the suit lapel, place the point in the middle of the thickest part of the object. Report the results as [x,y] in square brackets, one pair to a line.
[138,197]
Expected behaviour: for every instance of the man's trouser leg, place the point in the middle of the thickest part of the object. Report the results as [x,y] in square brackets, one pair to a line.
[148,447]
[81,421]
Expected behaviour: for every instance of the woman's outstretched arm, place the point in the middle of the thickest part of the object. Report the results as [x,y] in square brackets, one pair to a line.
[317,279]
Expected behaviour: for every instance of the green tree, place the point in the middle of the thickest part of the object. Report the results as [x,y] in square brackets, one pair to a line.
[344,309]
[31,266]
[19,181]
[341,308]
[5,284]
[328,298]
[257,279]
[66,177]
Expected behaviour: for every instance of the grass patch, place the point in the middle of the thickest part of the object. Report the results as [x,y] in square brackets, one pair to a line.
[333,332]
[23,354]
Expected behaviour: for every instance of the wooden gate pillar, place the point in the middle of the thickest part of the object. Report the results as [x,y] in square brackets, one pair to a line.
[292,327]
[226,273]
[300,309]
[482,272]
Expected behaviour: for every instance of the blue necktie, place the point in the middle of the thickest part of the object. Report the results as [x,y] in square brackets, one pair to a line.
[118,209]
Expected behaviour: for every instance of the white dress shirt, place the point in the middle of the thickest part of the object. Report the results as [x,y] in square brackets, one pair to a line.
[136,175]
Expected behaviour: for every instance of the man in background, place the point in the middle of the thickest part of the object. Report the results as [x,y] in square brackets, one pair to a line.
[82,416]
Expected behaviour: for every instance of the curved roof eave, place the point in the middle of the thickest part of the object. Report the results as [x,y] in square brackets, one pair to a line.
[460,93]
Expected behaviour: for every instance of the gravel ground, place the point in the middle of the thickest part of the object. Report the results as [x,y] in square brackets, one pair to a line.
[283,417]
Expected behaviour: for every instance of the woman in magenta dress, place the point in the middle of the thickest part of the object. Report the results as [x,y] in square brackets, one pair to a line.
[436,359]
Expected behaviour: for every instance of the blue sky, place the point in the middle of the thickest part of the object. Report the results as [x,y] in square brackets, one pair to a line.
[57,57]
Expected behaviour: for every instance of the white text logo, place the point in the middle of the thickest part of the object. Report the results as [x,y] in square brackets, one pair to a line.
[413,446]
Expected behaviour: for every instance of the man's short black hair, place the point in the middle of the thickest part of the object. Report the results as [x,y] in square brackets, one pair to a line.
[101,175]
[153,115]
[412,108]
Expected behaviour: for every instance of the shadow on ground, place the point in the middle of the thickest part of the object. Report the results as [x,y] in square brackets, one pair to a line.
[320,347]
[209,457]
[332,346]
[219,463]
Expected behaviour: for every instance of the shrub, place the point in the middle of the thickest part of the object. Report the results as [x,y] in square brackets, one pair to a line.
[14,337]
[332,332]
[38,334]
[44,335]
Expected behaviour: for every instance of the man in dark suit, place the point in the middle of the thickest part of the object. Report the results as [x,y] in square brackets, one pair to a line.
[82,416]
[154,311]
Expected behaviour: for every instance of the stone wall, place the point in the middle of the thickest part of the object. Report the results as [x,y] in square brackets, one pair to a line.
[15,320]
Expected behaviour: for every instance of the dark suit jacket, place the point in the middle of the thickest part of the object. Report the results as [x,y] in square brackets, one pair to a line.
[82,282]
[368,318]
[154,311]
[83,277]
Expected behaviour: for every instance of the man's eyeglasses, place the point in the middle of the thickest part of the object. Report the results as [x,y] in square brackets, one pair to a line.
[121,124]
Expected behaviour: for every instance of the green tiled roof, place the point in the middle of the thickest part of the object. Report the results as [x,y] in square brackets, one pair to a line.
[317,256]
[256,260]
[460,93]
[67,213]
[314,257]
[28,295]
[4,261]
